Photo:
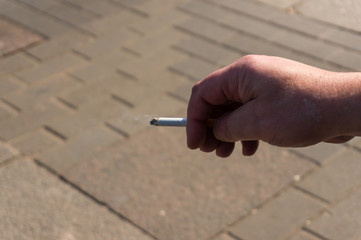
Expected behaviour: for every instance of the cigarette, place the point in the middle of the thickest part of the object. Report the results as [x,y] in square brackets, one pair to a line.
[177,122]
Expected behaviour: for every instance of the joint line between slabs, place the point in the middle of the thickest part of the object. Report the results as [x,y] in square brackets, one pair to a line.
[93,198]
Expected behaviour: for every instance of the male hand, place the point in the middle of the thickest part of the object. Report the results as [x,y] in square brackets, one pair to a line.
[279,101]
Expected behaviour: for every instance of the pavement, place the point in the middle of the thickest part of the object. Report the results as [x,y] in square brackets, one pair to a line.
[79,81]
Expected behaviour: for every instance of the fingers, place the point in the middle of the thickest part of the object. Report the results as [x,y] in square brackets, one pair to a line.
[249,147]
[241,124]
[340,139]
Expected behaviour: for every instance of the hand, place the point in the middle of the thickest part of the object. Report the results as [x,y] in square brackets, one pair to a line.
[276,100]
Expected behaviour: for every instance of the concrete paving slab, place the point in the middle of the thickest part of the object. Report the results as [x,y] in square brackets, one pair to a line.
[342,13]
[175,193]
[35,204]
[342,221]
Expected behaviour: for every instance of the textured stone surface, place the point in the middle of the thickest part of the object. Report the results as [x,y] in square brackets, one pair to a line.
[278,218]
[7,151]
[187,194]
[342,221]
[336,178]
[37,205]
[342,13]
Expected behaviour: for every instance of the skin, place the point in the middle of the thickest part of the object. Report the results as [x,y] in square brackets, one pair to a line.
[275,100]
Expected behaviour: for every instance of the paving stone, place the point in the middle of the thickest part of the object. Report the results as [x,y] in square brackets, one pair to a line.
[152,44]
[252,45]
[134,120]
[343,14]
[343,37]
[131,3]
[59,45]
[111,23]
[9,85]
[338,176]
[223,237]
[273,15]
[205,10]
[48,68]
[35,21]
[154,176]
[166,81]
[207,50]
[298,42]
[101,68]
[166,57]
[14,63]
[87,117]
[278,218]
[183,92]
[284,4]
[35,141]
[41,91]
[102,8]
[37,205]
[342,221]
[302,235]
[7,152]
[194,68]
[5,112]
[348,58]
[30,119]
[62,11]
[160,22]
[159,7]
[206,29]
[321,152]
[78,148]
[107,43]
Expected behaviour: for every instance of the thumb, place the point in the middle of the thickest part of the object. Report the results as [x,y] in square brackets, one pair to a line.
[240,124]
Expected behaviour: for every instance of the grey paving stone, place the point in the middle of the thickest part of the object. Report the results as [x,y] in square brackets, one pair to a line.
[166,81]
[342,221]
[186,194]
[252,45]
[35,21]
[348,58]
[101,68]
[106,43]
[78,148]
[150,45]
[165,58]
[207,50]
[159,22]
[223,237]
[35,141]
[343,37]
[284,4]
[41,91]
[344,14]
[30,119]
[49,68]
[9,85]
[205,10]
[64,12]
[338,176]
[183,92]
[59,45]
[102,8]
[7,151]
[112,23]
[304,44]
[206,29]
[6,113]
[321,152]
[278,218]
[194,68]
[14,63]
[303,235]
[87,117]
[35,204]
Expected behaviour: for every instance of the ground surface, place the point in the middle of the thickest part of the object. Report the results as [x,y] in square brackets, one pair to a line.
[79,81]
